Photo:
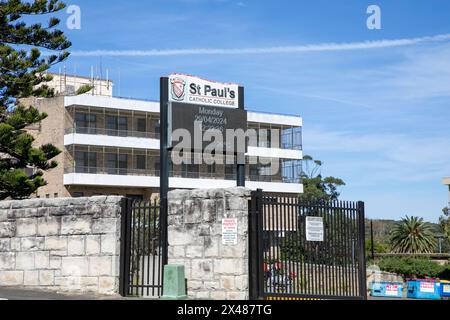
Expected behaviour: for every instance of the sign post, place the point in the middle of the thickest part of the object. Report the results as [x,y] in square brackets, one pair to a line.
[240,170]
[183,100]
[218,106]
[164,163]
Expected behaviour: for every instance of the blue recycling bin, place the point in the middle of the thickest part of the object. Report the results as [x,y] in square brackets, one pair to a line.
[445,289]
[386,289]
[424,289]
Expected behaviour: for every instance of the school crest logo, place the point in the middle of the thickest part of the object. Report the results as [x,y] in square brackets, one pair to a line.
[178,89]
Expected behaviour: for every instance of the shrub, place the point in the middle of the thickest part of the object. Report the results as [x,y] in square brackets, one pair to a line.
[413,267]
[378,247]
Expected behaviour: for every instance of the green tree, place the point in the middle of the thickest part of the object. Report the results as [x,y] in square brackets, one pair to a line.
[444,224]
[23,74]
[315,186]
[412,235]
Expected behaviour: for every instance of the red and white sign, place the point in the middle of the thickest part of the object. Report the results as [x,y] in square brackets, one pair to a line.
[229,231]
[427,287]
[392,289]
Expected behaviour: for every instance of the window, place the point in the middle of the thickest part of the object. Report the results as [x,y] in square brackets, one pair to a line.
[78,194]
[47,195]
[230,171]
[254,171]
[212,168]
[291,138]
[252,135]
[157,127]
[291,171]
[265,170]
[111,123]
[85,123]
[85,162]
[157,166]
[264,137]
[122,123]
[116,125]
[123,161]
[55,195]
[141,125]
[140,162]
[189,170]
[117,163]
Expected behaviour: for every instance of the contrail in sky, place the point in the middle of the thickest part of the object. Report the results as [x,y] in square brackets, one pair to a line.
[323,47]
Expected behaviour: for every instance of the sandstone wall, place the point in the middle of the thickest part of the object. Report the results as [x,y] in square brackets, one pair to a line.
[63,244]
[213,270]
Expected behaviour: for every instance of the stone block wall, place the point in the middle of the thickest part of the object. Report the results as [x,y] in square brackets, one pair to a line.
[62,244]
[213,270]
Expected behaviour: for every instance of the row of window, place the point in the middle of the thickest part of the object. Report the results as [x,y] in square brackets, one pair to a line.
[113,160]
[116,123]
[86,162]
[289,138]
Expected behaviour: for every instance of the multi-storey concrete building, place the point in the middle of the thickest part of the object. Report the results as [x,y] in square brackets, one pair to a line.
[111,147]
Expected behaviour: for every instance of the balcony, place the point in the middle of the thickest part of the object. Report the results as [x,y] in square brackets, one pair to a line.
[175,174]
[139,178]
[112,132]
[111,171]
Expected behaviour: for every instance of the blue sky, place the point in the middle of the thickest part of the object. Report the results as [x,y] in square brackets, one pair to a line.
[377,117]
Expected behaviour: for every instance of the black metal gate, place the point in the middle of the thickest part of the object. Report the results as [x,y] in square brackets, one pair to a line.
[306,250]
[143,249]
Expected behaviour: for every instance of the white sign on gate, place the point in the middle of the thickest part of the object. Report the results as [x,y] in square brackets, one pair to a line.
[314,229]
[229,232]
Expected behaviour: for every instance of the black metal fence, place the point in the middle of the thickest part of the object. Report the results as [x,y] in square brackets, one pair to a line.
[306,249]
[142,251]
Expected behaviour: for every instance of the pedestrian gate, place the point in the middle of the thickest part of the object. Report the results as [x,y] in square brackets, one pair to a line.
[143,249]
[306,250]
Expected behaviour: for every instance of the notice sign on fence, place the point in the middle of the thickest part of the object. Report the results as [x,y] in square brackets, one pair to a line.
[314,229]
[229,232]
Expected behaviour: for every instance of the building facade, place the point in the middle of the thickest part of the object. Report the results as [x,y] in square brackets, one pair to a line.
[110,146]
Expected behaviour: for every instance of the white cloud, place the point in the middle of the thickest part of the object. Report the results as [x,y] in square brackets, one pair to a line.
[268,50]
[376,158]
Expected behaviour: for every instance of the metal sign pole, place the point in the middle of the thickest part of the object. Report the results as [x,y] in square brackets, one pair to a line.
[164,163]
[240,169]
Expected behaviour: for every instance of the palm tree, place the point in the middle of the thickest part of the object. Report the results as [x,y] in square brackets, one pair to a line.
[412,235]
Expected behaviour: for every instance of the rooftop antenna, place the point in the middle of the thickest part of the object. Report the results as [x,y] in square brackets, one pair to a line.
[120,83]
[96,74]
[101,75]
[92,79]
[65,80]
[107,79]
[60,78]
